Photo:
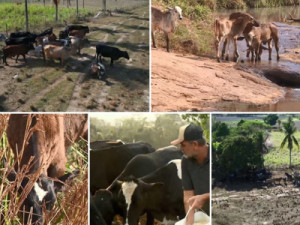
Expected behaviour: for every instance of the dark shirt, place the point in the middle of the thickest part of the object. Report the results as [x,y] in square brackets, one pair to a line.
[195,176]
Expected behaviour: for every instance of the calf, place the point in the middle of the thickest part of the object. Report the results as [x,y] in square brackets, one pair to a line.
[107,164]
[160,194]
[262,35]
[39,137]
[16,50]
[164,21]
[229,30]
[111,52]
[78,33]
[57,52]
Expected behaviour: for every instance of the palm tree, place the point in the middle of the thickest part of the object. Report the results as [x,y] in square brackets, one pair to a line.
[289,130]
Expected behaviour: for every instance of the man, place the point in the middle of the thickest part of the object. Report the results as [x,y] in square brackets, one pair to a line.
[195,169]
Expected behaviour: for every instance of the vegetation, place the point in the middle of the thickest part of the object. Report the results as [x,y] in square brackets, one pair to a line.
[289,131]
[71,206]
[12,16]
[271,119]
[158,132]
[246,144]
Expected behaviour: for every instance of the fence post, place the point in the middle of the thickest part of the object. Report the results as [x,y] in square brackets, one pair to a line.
[77,7]
[26,15]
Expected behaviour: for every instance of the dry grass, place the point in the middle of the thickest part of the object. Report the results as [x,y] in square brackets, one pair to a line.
[71,205]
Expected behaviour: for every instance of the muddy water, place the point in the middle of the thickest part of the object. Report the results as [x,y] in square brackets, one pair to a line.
[289,34]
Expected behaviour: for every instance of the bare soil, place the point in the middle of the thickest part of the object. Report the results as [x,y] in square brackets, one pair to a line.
[39,86]
[183,82]
[251,204]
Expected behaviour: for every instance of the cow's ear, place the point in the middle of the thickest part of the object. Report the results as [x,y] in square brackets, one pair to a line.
[115,186]
[59,185]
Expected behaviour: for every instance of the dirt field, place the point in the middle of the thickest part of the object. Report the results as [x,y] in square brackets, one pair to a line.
[36,86]
[251,204]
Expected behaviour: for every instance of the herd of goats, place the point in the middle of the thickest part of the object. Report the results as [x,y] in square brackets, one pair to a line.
[238,26]
[70,42]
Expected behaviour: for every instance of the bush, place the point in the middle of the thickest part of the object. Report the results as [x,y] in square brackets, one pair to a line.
[271,119]
[231,4]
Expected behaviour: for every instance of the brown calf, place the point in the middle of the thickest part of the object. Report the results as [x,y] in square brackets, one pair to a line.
[229,30]
[262,35]
[16,50]
[57,52]
[78,33]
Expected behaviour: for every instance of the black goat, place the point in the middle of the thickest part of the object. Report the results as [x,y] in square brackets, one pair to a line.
[108,51]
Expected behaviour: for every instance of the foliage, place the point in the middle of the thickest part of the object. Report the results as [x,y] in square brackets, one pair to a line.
[220,131]
[12,16]
[231,4]
[249,127]
[289,130]
[238,153]
[159,132]
[271,119]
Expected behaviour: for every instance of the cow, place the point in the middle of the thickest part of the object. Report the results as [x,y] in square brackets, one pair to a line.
[40,40]
[78,33]
[78,43]
[39,140]
[57,52]
[100,145]
[229,30]
[27,34]
[164,21]
[141,165]
[16,50]
[158,194]
[107,164]
[263,34]
[20,40]
[111,52]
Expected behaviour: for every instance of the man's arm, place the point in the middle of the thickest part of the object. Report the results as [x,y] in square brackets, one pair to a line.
[186,196]
[198,201]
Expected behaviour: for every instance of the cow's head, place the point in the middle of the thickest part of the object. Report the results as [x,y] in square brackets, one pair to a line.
[138,195]
[125,55]
[42,195]
[176,12]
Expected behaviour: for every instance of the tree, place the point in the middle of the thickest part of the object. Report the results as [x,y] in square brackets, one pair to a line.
[271,119]
[289,129]
[56,2]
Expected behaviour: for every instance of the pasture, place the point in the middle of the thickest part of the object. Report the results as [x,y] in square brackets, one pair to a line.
[71,205]
[39,86]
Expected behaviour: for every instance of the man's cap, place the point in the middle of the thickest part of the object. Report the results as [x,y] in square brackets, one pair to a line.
[189,132]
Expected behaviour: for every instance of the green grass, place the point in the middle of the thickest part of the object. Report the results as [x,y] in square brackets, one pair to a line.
[12,16]
[280,157]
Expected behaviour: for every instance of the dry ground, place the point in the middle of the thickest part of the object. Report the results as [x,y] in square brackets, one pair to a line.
[36,86]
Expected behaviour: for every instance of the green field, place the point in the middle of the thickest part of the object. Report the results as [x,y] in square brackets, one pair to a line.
[12,16]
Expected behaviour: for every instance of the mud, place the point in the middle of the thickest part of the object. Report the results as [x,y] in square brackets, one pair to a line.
[247,203]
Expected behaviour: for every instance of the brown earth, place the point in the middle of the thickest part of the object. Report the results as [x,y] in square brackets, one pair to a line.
[183,82]
[249,204]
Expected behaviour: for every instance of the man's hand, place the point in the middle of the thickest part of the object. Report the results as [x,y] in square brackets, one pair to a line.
[197,202]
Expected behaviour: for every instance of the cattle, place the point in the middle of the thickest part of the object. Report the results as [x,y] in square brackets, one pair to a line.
[78,33]
[41,137]
[100,145]
[21,40]
[28,34]
[107,164]
[111,52]
[57,52]
[40,40]
[141,165]
[158,194]
[263,34]
[25,37]
[77,27]
[78,43]
[38,51]
[16,50]
[229,30]
[63,34]
[164,21]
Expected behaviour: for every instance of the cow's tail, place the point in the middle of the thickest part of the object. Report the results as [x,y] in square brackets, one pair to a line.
[217,28]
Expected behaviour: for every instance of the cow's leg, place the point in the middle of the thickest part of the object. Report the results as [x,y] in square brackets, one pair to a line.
[224,48]
[24,57]
[168,42]
[150,219]
[270,49]
[17,58]
[111,62]
[217,44]
[276,42]
[227,49]
[236,54]
[260,51]
[153,39]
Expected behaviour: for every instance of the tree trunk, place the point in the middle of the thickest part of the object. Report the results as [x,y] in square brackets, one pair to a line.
[77,7]
[290,157]
[56,7]
[82,3]
[26,16]
[104,5]
[44,2]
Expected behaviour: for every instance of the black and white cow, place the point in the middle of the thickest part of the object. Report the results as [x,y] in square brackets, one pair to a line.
[107,200]
[100,145]
[107,164]
[158,194]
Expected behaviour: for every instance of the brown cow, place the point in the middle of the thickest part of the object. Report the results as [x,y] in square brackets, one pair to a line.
[78,33]
[229,30]
[57,52]
[16,50]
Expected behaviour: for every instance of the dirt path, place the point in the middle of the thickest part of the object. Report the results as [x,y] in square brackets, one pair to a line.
[36,86]
[187,82]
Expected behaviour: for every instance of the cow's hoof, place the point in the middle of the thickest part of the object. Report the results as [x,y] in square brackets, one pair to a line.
[227,58]
[270,59]
[278,58]
[219,60]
